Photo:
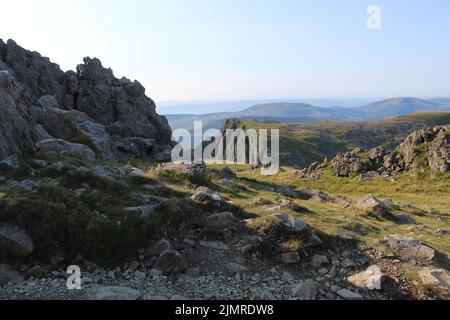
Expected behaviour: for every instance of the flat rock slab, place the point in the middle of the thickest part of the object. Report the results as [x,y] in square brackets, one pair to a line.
[349,295]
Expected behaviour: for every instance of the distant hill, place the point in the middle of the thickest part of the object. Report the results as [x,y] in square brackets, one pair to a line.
[303,112]
[304,143]
[282,112]
[442,101]
[400,106]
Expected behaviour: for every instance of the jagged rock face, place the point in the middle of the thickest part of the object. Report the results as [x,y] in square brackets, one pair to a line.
[114,116]
[119,104]
[37,74]
[16,133]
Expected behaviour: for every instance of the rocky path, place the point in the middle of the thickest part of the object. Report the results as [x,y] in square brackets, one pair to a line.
[225,274]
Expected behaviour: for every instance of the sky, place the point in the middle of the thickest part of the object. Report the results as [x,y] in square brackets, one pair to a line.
[246,49]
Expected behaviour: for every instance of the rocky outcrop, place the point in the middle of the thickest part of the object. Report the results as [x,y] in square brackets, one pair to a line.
[90,106]
[16,133]
[423,149]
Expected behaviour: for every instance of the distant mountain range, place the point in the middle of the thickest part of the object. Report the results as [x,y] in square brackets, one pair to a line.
[206,107]
[302,112]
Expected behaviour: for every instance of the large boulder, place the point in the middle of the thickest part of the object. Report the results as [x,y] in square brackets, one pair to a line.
[374,207]
[170,262]
[63,147]
[410,248]
[74,125]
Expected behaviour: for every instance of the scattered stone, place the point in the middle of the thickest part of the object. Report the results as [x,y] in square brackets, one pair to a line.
[265,294]
[349,295]
[287,277]
[237,268]
[290,258]
[317,261]
[113,293]
[171,261]
[287,192]
[436,280]
[291,222]
[371,279]
[219,221]
[306,290]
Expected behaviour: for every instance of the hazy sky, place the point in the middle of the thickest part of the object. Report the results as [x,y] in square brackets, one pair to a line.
[246,49]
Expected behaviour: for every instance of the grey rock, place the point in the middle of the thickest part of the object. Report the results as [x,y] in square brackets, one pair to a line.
[437,280]
[372,279]
[290,258]
[8,275]
[11,161]
[410,248]
[405,218]
[374,207]
[62,147]
[14,241]
[16,125]
[287,277]
[113,293]
[216,245]
[318,260]
[291,222]
[306,290]
[171,261]
[237,268]
[156,248]
[265,294]
[349,295]
[287,192]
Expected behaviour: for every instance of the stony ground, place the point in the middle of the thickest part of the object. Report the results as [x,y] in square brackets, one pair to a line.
[228,275]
